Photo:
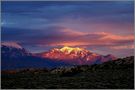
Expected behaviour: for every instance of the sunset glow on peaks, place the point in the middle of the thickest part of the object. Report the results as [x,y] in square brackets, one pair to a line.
[67,44]
[70,49]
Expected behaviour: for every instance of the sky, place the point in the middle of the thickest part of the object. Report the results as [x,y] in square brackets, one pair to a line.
[104,27]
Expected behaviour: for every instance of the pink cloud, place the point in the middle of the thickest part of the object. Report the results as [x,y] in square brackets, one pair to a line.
[74,38]
[122,47]
[100,42]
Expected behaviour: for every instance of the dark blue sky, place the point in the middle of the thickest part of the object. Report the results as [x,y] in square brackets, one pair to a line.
[103,27]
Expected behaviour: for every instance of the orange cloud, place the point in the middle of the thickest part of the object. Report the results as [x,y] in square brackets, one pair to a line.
[69,37]
[117,37]
[72,32]
[69,43]
[123,47]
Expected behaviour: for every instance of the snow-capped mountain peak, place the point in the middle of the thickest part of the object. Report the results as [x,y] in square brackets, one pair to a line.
[70,49]
[75,55]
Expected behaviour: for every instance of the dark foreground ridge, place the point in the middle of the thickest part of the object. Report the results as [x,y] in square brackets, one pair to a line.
[118,74]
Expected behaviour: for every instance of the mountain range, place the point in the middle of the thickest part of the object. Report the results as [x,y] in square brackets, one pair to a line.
[14,56]
[76,55]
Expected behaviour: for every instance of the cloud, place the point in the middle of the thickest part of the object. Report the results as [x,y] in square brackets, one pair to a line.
[68,37]
[54,36]
[100,42]
[36,14]
[98,26]
[123,47]
[109,36]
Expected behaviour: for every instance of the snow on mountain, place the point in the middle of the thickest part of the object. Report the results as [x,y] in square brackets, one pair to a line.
[13,50]
[11,44]
[15,56]
[76,56]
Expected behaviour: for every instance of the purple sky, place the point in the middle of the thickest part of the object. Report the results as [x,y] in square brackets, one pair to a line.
[101,27]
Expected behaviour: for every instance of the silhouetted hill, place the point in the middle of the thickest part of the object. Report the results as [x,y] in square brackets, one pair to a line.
[30,62]
[118,74]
